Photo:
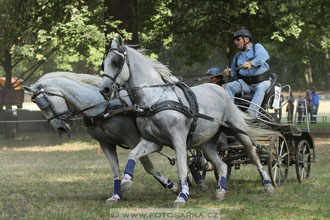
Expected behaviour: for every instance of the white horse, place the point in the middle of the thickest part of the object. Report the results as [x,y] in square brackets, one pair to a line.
[153,87]
[54,91]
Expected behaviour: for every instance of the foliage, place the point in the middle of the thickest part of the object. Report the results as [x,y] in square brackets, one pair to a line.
[196,31]
[182,34]
[75,29]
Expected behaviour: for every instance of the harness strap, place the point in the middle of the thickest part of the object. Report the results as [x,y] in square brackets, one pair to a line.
[194,109]
[255,79]
[113,110]
[191,111]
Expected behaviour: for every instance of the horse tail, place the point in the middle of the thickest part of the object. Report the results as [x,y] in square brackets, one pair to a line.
[244,122]
[256,128]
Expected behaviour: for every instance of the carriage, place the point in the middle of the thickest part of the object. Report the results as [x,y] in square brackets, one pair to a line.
[293,146]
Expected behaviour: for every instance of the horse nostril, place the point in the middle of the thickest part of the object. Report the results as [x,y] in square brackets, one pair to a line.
[106,90]
[61,130]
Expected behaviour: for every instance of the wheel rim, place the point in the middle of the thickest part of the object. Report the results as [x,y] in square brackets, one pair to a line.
[303,160]
[278,162]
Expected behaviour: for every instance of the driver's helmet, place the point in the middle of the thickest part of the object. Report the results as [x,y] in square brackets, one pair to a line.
[243,33]
[214,71]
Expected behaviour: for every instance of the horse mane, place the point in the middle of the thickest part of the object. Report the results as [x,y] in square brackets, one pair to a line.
[81,78]
[161,69]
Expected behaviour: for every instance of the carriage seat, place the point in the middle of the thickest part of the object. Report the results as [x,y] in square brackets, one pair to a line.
[249,96]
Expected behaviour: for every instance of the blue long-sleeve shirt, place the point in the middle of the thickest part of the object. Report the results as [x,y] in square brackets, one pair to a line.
[315,98]
[259,59]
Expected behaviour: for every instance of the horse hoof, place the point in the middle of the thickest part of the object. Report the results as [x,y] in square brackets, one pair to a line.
[269,189]
[203,187]
[175,189]
[179,202]
[220,194]
[126,185]
[112,201]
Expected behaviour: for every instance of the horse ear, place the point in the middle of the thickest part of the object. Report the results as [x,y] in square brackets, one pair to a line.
[120,40]
[114,44]
[28,90]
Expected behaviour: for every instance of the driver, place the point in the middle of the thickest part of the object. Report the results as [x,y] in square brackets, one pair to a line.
[249,69]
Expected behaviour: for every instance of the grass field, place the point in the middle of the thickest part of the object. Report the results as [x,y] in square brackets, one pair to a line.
[43,179]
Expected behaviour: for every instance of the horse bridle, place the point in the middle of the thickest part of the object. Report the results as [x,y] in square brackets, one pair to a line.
[43,103]
[122,52]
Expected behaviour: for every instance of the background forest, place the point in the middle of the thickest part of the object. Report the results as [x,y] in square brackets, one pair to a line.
[41,36]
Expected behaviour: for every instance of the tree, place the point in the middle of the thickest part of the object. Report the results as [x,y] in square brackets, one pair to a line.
[124,14]
[192,32]
[33,30]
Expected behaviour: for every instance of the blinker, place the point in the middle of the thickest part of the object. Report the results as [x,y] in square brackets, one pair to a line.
[42,102]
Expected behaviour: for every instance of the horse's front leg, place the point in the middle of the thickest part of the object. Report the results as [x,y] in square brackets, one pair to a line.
[143,148]
[181,154]
[166,183]
[111,154]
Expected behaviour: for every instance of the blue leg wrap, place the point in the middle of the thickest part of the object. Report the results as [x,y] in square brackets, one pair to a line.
[166,183]
[184,190]
[170,184]
[264,176]
[184,196]
[129,169]
[222,183]
[117,188]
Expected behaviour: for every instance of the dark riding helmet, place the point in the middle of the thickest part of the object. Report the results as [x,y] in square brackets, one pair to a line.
[213,71]
[243,33]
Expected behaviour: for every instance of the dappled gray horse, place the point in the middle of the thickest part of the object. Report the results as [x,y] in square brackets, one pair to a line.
[54,91]
[168,115]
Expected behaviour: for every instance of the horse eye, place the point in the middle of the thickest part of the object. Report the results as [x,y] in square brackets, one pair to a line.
[116,61]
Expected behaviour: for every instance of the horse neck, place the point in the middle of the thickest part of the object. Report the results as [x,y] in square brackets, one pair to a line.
[82,97]
[144,75]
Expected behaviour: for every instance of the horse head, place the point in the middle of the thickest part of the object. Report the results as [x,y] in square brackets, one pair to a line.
[52,105]
[115,67]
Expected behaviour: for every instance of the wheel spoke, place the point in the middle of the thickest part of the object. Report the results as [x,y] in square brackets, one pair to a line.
[281,148]
[285,166]
[275,166]
[284,155]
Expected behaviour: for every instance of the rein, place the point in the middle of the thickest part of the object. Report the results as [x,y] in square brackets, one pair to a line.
[44,103]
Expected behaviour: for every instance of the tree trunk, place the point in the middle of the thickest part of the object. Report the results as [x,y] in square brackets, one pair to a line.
[8,69]
[327,69]
[125,11]
[307,75]
[308,69]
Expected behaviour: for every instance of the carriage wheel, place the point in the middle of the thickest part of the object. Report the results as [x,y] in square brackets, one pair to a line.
[303,160]
[278,160]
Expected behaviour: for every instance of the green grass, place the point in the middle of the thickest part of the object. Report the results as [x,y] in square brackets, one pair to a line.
[68,180]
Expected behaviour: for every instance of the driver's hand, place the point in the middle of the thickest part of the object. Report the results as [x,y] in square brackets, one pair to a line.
[227,71]
[247,65]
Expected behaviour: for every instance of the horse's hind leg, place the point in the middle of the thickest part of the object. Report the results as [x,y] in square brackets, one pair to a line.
[166,183]
[266,181]
[212,155]
[111,154]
